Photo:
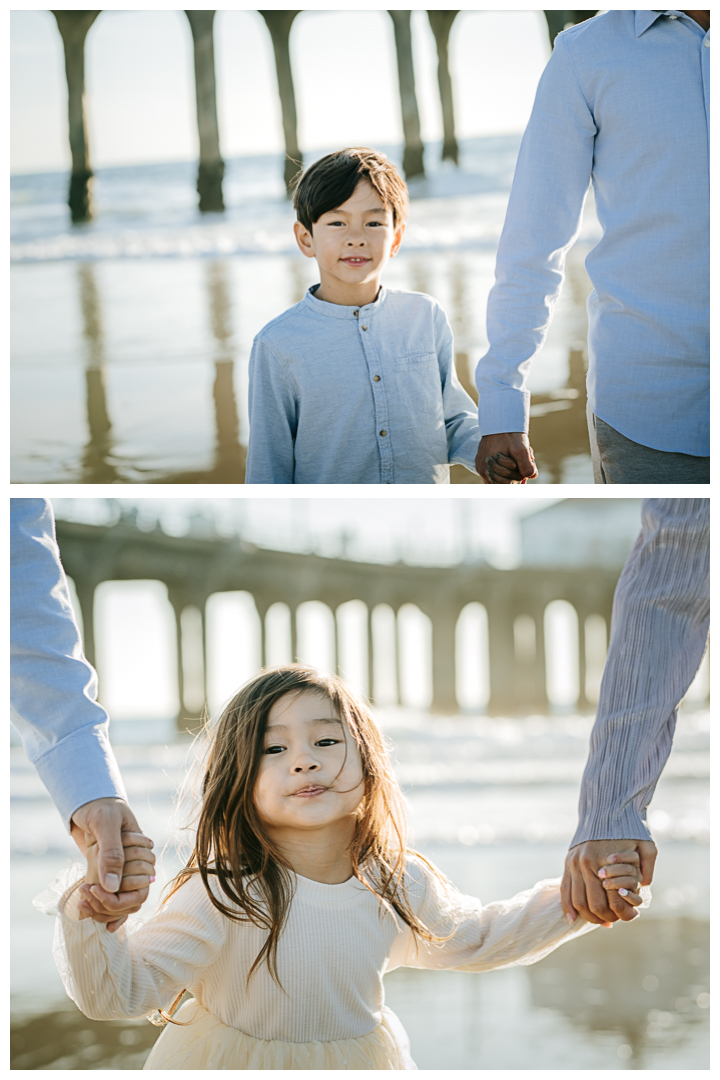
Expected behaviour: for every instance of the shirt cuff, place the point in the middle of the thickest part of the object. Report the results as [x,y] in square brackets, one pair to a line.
[626,825]
[504,410]
[79,769]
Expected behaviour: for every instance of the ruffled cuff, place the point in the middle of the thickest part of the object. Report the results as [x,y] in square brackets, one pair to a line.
[61,896]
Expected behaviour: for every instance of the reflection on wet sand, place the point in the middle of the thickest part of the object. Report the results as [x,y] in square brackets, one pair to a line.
[143,319]
[649,983]
[97,465]
[229,464]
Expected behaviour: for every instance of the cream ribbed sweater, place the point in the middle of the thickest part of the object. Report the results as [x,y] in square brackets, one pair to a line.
[337,945]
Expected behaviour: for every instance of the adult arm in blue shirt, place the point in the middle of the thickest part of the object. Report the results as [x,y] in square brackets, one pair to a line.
[63,728]
[272,408]
[551,182]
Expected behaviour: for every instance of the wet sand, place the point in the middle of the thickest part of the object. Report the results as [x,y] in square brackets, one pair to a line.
[137,371]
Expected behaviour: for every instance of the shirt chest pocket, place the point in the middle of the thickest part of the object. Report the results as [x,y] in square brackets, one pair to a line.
[418,382]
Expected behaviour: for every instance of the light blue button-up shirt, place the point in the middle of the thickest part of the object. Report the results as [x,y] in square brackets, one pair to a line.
[365,395]
[624,103]
[52,686]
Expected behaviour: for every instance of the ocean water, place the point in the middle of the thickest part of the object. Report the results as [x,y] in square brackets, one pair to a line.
[492,802]
[131,334]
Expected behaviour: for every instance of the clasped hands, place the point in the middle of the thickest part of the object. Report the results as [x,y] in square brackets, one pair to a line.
[121,864]
[601,879]
[505,458]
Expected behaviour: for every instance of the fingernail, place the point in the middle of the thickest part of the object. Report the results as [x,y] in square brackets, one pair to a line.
[112,882]
[602,873]
[570,918]
[151,880]
[623,892]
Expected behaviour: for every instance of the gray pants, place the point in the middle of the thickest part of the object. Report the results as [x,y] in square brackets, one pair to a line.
[618,460]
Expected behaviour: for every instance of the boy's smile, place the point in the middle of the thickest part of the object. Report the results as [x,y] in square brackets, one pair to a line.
[352,245]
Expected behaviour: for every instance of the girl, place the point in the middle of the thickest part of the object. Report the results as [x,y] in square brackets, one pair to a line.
[299,895]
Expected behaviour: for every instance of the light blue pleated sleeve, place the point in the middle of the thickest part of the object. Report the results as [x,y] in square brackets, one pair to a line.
[543,219]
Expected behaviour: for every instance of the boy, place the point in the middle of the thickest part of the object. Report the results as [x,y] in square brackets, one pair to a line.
[356,383]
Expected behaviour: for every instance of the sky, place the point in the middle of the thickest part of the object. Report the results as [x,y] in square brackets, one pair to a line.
[140,88]
[367,529]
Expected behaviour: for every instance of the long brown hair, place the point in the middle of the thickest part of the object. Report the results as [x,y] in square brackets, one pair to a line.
[232,845]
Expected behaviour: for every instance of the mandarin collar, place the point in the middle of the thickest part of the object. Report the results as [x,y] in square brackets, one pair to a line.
[340,311]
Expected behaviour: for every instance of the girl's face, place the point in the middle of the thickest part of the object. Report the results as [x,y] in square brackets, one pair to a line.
[310,773]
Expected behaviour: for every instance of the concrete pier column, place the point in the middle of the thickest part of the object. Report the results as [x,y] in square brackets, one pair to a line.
[501,647]
[177,606]
[444,624]
[398,659]
[558,20]
[85,590]
[293,633]
[279,24]
[582,702]
[73,27]
[262,610]
[540,697]
[414,150]
[212,167]
[441,24]
[370,658]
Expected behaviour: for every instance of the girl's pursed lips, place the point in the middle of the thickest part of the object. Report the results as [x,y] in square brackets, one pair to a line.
[314,789]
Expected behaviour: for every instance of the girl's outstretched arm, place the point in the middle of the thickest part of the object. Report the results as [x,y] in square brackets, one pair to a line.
[521,930]
[113,976]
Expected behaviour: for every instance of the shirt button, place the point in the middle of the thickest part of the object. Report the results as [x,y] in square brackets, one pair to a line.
[383,433]
[376,378]
[356,313]
[364,326]
[706,43]
[672,16]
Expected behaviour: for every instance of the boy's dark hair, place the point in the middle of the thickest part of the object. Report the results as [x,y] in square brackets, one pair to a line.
[331,181]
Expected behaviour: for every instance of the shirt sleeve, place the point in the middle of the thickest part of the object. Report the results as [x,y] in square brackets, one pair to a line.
[660,621]
[273,414]
[461,427]
[52,686]
[130,974]
[480,937]
[551,181]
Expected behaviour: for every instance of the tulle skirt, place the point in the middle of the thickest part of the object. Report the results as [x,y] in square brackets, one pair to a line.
[209,1044]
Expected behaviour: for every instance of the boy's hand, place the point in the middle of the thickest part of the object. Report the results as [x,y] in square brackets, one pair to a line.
[505,458]
[137,875]
[596,871]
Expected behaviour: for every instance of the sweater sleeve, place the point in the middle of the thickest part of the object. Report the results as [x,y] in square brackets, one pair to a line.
[273,413]
[131,974]
[480,937]
[660,620]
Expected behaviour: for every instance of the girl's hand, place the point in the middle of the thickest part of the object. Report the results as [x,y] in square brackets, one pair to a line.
[622,872]
[138,874]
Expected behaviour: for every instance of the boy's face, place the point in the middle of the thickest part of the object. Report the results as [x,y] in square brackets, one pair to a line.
[352,244]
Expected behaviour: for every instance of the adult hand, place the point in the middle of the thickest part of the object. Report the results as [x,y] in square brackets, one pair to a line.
[583,892]
[138,874]
[102,823]
[505,458]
